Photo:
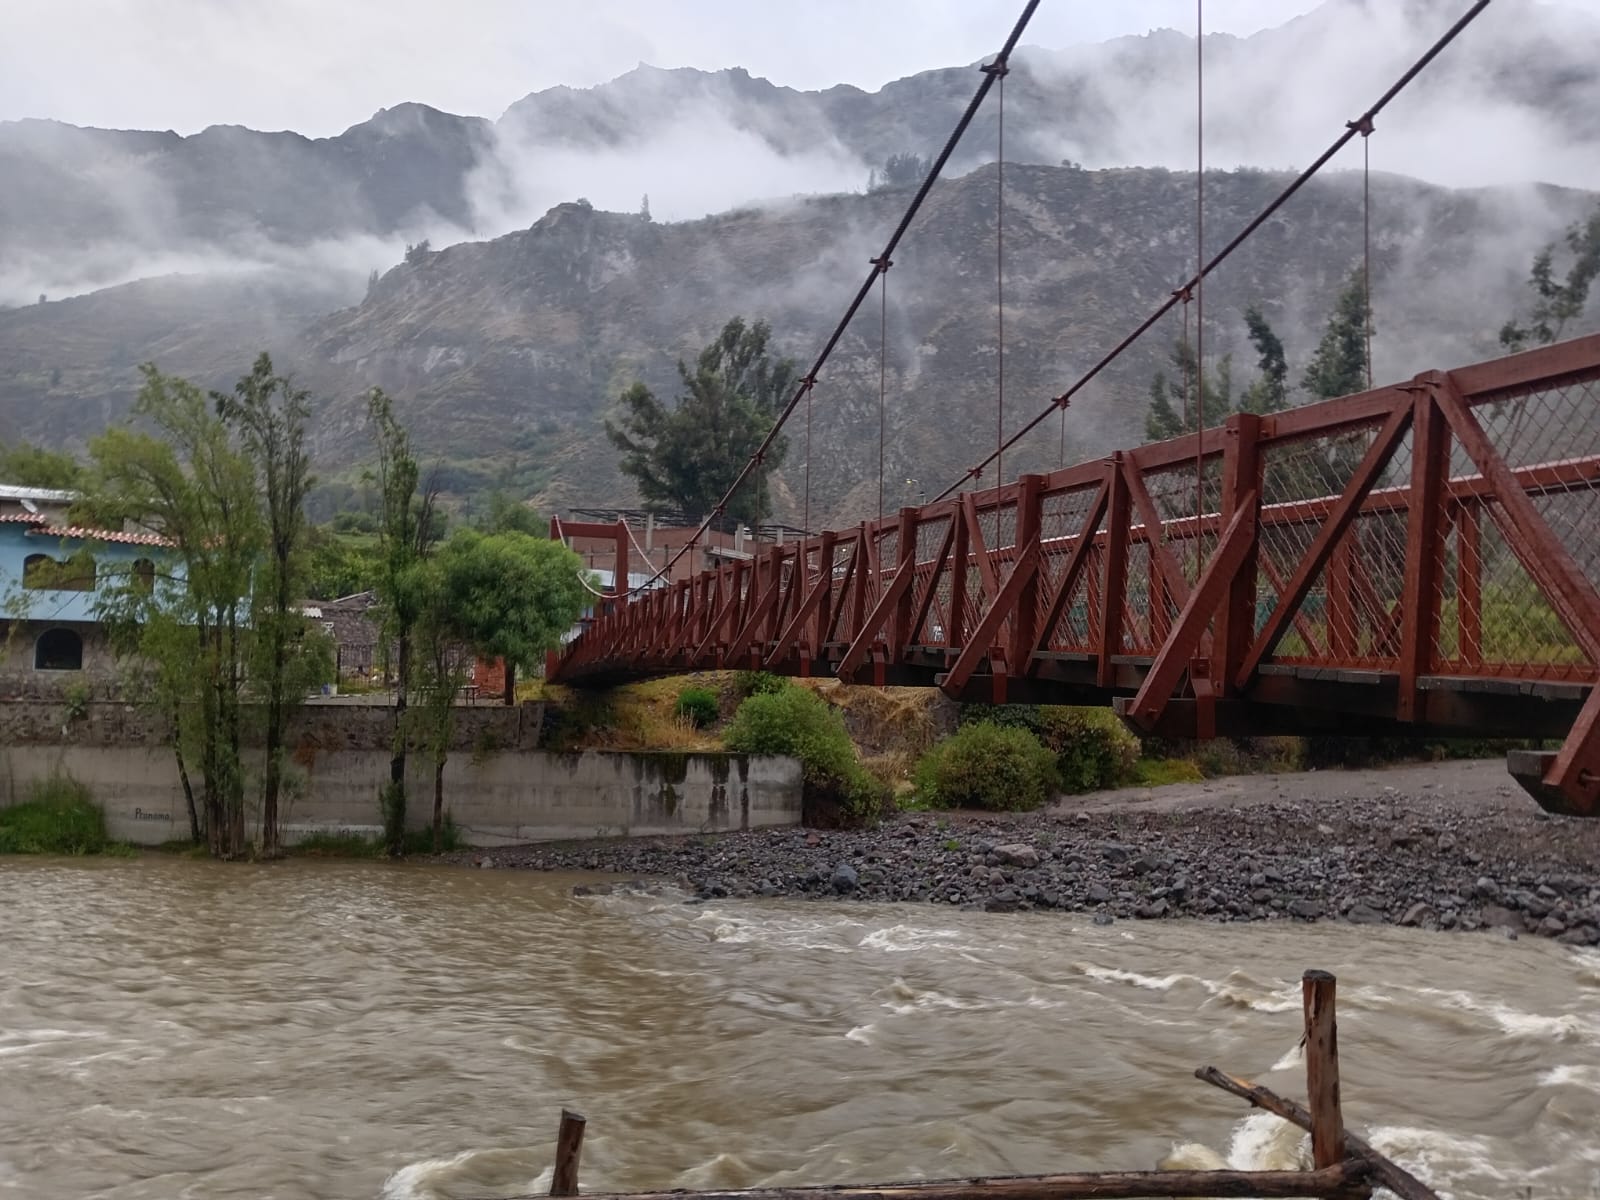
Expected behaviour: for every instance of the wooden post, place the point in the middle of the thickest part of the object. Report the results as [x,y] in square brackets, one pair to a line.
[569,1145]
[1322,1069]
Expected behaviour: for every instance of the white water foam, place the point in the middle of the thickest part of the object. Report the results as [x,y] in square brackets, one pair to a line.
[1579,1076]
[436,1178]
[900,939]
[1260,1142]
[1266,1142]
[1244,992]
[1567,1027]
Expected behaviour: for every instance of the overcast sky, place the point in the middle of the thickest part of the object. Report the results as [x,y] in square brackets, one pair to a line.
[319,66]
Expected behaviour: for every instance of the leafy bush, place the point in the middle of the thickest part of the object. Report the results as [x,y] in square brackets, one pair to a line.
[697,705]
[986,765]
[796,722]
[758,683]
[1093,748]
[59,817]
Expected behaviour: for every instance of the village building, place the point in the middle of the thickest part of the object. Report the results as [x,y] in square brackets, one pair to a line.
[52,576]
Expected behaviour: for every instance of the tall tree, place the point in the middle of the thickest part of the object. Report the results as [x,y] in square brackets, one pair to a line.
[687,456]
[512,595]
[406,533]
[899,171]
[193,485]
[1339,366]
[444,661]
[270,415]
[502,514]
[1270,392]
[34,466]
[1557,302]
[1172,408]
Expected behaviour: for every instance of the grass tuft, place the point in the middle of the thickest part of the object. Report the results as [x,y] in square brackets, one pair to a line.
[58,817]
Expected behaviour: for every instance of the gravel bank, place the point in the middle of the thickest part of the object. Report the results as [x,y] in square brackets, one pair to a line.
[1452,846]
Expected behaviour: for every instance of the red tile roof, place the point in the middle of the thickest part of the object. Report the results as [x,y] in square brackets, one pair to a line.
[100,535]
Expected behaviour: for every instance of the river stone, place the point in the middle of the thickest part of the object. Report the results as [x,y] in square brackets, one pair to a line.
[1116,852]
[1306,908]
[1006,901]
[1417,914]
[1364,914]
[1552,926]
[1098,893]
[1486,889]
[1103,918]
[1495,916]
[1017,854]
[844,878]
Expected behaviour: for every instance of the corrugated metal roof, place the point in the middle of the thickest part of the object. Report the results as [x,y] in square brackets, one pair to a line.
[12,491]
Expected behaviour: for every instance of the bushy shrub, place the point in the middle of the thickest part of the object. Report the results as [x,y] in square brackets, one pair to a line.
[758,683]
[58,817]
[698,705]
[797,723]
[985,765]
[1093,748]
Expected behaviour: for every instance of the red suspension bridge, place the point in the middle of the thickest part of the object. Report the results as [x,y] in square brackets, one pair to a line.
[1421,558]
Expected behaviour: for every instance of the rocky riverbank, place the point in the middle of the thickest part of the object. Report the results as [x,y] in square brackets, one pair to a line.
[1453,846]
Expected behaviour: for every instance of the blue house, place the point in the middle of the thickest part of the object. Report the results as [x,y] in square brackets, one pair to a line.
[50,575]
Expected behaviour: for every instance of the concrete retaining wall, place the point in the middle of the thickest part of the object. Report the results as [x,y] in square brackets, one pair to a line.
[496,799]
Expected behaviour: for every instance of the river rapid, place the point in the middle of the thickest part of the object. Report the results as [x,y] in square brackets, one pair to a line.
[171,1028]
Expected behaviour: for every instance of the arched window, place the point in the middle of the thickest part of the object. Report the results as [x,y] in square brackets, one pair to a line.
[144,575]
[75,574]
[58,650]
[38,570]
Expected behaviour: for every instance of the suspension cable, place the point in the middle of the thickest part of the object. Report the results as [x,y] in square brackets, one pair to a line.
[1239,239]
[1200,268]
[809,379]
[883,357]
[1366,239]
[805,520]
[1000,70]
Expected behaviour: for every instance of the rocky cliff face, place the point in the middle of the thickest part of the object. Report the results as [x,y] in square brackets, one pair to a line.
[1516,99]
[505,354]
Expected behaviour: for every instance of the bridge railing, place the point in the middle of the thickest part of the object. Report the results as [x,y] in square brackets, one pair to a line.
[1416,543]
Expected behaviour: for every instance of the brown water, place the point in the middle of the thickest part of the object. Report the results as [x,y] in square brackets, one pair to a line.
[179,1029]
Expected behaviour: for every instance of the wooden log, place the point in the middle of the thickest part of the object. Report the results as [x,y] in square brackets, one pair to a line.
[569,1146]
[1322,1068]
[1346,1180]
[1385,1172]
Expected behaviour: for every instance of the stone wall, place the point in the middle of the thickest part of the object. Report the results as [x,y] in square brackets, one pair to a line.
[19,679]
[320,725]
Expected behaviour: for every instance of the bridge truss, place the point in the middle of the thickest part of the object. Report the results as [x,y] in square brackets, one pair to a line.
[1421,558]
